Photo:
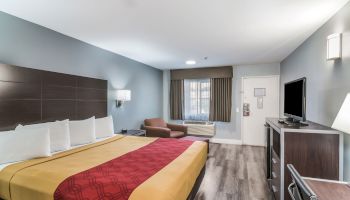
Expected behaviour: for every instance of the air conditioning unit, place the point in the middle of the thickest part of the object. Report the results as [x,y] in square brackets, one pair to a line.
[200,128]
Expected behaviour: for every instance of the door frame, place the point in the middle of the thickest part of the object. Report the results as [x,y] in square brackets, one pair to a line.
[242,91]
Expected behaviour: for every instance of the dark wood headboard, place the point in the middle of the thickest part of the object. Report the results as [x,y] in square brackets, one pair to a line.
[30,96]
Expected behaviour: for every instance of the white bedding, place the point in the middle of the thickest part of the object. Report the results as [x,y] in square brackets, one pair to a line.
[2,166]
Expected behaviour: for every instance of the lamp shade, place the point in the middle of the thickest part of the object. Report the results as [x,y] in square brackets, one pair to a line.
[342,121]
[123,95]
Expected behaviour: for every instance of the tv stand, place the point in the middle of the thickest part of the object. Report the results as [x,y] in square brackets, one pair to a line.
[314,150]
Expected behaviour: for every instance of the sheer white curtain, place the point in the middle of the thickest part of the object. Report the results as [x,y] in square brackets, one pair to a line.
[197,99]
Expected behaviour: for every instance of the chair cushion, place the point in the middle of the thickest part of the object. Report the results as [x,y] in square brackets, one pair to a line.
[176,134]
[155,122]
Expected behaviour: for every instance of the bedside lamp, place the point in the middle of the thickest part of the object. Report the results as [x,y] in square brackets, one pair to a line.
[342,121]
[122,96]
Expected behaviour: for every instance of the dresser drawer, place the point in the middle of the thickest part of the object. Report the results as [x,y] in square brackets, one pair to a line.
[276,175]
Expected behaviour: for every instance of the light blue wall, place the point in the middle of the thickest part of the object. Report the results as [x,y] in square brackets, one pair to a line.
[328,82]
[28,45]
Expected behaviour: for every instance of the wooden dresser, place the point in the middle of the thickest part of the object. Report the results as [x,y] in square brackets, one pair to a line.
[315,151]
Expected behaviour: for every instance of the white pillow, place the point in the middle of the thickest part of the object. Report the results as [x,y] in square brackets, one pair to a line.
[59,133]
[82,131]
[104,127]
[24,144]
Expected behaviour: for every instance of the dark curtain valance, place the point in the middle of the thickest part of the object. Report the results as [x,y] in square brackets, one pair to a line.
[199,73]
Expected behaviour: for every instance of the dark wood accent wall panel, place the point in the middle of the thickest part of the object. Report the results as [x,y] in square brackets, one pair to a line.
[58,110]
[13,112]
[31,96]
[85,108]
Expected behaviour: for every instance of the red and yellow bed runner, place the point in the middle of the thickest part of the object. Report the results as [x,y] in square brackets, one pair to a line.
[122,167]
[117,179]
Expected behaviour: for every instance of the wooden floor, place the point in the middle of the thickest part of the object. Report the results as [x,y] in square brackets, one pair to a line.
[234,172]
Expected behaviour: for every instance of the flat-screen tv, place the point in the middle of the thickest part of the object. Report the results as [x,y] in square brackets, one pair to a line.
[295,99]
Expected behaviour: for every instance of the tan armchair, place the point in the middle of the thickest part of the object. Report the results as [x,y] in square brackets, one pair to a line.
[157,127]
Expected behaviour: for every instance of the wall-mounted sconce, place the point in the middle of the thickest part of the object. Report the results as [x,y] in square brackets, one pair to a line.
[334,46]
[122,96]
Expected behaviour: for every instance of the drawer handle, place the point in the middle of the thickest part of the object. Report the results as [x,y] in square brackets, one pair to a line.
[274,189]
[274,175]
[274,161]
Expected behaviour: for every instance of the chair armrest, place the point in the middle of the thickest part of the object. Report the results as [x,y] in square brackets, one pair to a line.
[178,127]
[157,132]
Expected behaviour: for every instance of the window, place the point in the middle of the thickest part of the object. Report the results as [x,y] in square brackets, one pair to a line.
[197,99]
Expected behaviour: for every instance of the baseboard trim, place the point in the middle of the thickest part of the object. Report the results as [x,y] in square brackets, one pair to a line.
[226,141]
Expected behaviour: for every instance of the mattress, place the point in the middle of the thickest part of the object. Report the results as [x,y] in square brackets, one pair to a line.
[127,167]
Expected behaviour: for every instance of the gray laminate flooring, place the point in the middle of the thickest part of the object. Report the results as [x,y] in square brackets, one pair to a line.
[234,172]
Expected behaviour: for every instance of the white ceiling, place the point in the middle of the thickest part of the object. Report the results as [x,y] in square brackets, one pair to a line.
[166,33]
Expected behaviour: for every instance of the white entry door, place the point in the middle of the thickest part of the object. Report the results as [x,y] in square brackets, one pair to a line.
[260,99]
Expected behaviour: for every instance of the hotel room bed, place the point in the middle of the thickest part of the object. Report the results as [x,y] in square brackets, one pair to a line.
[121,167]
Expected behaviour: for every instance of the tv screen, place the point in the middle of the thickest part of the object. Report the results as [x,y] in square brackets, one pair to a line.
[294,99]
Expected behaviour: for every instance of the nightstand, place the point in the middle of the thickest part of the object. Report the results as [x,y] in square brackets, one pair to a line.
[134,132]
